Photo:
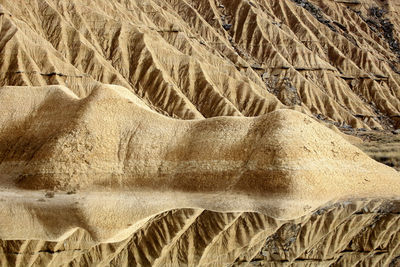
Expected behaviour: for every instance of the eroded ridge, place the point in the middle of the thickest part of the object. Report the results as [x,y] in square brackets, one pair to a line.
[336,60]
[187,132]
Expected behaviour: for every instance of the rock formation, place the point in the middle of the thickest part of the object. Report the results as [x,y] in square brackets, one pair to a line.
[193,133]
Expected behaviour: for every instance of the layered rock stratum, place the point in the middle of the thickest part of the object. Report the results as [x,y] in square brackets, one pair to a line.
[199,133]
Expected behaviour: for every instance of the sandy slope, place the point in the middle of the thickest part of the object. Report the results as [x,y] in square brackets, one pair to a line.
[53,140]
[104,102]
[130,165]
[338,63]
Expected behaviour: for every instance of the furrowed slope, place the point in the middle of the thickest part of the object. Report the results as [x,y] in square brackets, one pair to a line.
[175,132]
[335,60]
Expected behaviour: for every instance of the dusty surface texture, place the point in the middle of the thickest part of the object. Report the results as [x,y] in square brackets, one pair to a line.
[194,59]
[194,132]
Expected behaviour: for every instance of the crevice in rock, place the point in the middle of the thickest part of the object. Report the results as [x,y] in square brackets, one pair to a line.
[49,74]
[48,251]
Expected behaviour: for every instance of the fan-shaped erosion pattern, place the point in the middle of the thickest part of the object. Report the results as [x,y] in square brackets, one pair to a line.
[193,133]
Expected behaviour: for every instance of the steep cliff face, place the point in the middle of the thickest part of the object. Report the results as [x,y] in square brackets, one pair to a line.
[335,60]
[181,132]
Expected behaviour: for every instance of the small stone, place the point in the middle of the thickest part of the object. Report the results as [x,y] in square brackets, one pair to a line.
[257,66]
[252,4]
[264,253]
[396,131]
[227,27]
[265,76]
[49,194]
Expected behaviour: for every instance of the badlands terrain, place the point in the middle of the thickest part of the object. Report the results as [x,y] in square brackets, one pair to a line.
[199,133]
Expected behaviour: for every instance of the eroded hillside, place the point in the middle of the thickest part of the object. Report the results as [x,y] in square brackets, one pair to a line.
[335,60]
[113,150]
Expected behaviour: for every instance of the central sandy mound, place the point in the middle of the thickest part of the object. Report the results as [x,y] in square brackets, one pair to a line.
[143,183]
[52,140]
